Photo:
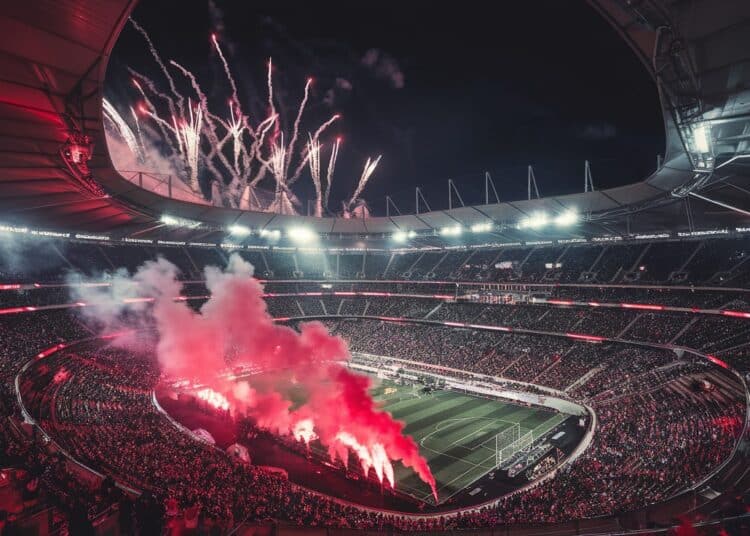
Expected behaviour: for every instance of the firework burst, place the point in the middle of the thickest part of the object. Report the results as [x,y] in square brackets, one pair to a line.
[188,136]
[123,129]
[231,152]
[367,172]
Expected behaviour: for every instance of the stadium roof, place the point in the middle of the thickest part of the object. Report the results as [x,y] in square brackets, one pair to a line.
[54,54]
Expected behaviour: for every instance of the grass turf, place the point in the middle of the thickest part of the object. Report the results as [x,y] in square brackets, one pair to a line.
[455,433]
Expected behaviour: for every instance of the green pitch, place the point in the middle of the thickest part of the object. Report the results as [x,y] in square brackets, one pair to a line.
[455,433]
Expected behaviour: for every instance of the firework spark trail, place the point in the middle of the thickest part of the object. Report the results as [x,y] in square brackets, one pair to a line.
[239,178]
[235,98]
[253,157]
[322,128]
[122,127]
[331,168]
[295,128]
[278,160]
[215,143]
[151,87]
[269,83]
[149,108]
[189,136]
[284,199]
[193,82]
[236,127]
[367,172]
[282,203]
[313,151]
[304,156]
[263,128]
[138,132]
[210,118]
[171,127]
[303,161]
[157,58]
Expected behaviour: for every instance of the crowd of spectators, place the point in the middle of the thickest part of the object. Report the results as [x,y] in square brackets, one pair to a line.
[656,434]
[551,361]
[715,261]
[653,439]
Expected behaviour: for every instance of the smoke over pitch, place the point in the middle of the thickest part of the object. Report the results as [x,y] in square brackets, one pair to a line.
[234,327]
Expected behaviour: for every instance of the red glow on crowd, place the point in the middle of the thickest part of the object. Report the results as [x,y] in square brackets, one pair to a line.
[13,310]
[716,361]
[61,376]
[587,338]
[50,351]
[10,286]
[736,314]
[642,306]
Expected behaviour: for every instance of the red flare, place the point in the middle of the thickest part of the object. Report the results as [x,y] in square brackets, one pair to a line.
[339,409]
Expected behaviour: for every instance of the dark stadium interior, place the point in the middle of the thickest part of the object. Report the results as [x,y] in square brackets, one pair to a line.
[567,364]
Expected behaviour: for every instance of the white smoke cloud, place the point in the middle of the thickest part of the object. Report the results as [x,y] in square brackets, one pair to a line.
[384,67]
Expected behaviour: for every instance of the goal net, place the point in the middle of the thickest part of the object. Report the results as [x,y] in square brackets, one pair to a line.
[510,441]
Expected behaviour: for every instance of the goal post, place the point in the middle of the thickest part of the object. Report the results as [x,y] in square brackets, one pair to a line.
[505,438]
[510,441]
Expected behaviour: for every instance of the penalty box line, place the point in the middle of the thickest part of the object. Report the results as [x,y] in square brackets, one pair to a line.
[492,421]
[525,431]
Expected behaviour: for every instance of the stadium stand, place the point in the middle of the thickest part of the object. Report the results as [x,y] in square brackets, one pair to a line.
[639,313]
[103,404]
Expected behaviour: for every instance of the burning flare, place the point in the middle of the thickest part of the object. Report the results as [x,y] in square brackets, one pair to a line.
[234,329]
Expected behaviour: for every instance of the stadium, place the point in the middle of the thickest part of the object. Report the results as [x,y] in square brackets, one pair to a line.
[172,364]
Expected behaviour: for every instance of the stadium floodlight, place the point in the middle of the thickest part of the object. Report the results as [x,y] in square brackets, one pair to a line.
[403,236]
[166,219]
[400,237]
[702,138]
[271,234]
[301,234]
[536,220]
[238,230]
[567,218]
[481,227]
[452,230]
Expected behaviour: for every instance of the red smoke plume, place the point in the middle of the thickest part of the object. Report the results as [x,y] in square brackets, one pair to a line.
[234,327]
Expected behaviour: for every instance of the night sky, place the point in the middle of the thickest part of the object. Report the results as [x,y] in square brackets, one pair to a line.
[440,93]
